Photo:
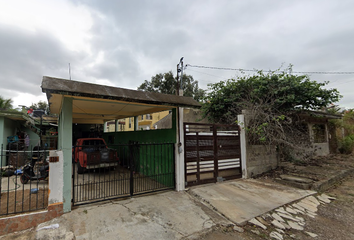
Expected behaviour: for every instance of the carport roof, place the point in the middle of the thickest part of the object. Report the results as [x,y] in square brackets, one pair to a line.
[93,103]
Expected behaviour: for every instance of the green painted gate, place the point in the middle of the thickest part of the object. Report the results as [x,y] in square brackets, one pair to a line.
[143,168]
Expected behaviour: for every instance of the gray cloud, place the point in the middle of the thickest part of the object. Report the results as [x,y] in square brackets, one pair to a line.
[141,38]
[27,56]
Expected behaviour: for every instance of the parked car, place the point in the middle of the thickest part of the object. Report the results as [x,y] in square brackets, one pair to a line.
[91,153]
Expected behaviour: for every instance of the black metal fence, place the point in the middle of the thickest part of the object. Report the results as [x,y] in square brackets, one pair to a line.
[133,169]
[24,182]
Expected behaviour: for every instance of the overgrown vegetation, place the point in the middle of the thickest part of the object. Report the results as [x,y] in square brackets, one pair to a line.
[5,104]
[166,83]
[346,145]
[273,102]
[41,105]
[345,130]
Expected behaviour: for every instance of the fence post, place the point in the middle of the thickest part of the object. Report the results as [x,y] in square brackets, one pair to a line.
[131,167]
[241,123]
[56,178]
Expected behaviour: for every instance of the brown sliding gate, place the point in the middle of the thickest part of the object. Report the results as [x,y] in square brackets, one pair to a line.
[212,153]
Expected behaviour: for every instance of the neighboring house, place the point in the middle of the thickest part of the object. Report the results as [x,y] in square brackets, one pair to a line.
[189,115]
[319,131]
[145,122]
[263,158]
[19,123]
[159,120]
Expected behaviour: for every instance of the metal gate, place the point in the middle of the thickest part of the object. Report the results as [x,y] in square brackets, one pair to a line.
[212,153]
[19,192]
[141,168]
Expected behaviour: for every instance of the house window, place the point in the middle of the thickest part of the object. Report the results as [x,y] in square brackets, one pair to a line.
[148,117]
[130,122]
[319,133]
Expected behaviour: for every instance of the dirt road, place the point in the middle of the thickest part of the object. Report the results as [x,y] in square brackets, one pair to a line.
[334,220]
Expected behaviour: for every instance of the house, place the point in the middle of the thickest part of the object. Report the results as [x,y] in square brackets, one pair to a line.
[15,126]
[148,161]
[145,122]
[320,134]
[79,103]
[263,158]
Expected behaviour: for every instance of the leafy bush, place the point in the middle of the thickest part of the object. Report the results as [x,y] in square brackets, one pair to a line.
[346,145]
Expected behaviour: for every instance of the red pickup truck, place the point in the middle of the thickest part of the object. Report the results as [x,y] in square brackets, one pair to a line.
[91,153]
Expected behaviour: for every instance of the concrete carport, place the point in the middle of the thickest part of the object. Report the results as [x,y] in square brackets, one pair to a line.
[86,103]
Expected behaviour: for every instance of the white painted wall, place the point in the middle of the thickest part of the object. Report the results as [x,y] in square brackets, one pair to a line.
[56,173]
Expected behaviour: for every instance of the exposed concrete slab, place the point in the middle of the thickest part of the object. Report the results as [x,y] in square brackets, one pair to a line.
[242,200]
[169,215]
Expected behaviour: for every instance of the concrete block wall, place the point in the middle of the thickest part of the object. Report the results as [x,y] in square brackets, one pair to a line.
[256,159]
[260,159]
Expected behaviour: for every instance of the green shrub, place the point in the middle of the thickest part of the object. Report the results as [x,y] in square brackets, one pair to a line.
[347,144]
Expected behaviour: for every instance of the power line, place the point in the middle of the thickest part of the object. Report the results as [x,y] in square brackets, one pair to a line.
[205,73]
[255,70]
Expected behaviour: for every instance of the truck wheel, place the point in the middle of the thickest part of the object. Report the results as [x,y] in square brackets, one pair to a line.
[23,179]
[80,170]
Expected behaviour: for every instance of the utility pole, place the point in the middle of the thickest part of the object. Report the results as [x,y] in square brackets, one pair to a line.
[177,82]
[180,164]
[180,77]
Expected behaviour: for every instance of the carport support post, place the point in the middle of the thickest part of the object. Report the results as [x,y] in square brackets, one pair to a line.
[241,123]
[65,144]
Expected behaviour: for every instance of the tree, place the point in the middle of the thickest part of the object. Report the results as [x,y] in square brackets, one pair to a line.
[166,83]
[5,104]
[280,91]
[41,105]
[273,102]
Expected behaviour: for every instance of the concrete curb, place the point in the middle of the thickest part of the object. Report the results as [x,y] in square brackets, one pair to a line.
[324,185]
[305,186]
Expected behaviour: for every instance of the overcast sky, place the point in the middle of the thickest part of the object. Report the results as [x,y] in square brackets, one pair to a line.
[123,43]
